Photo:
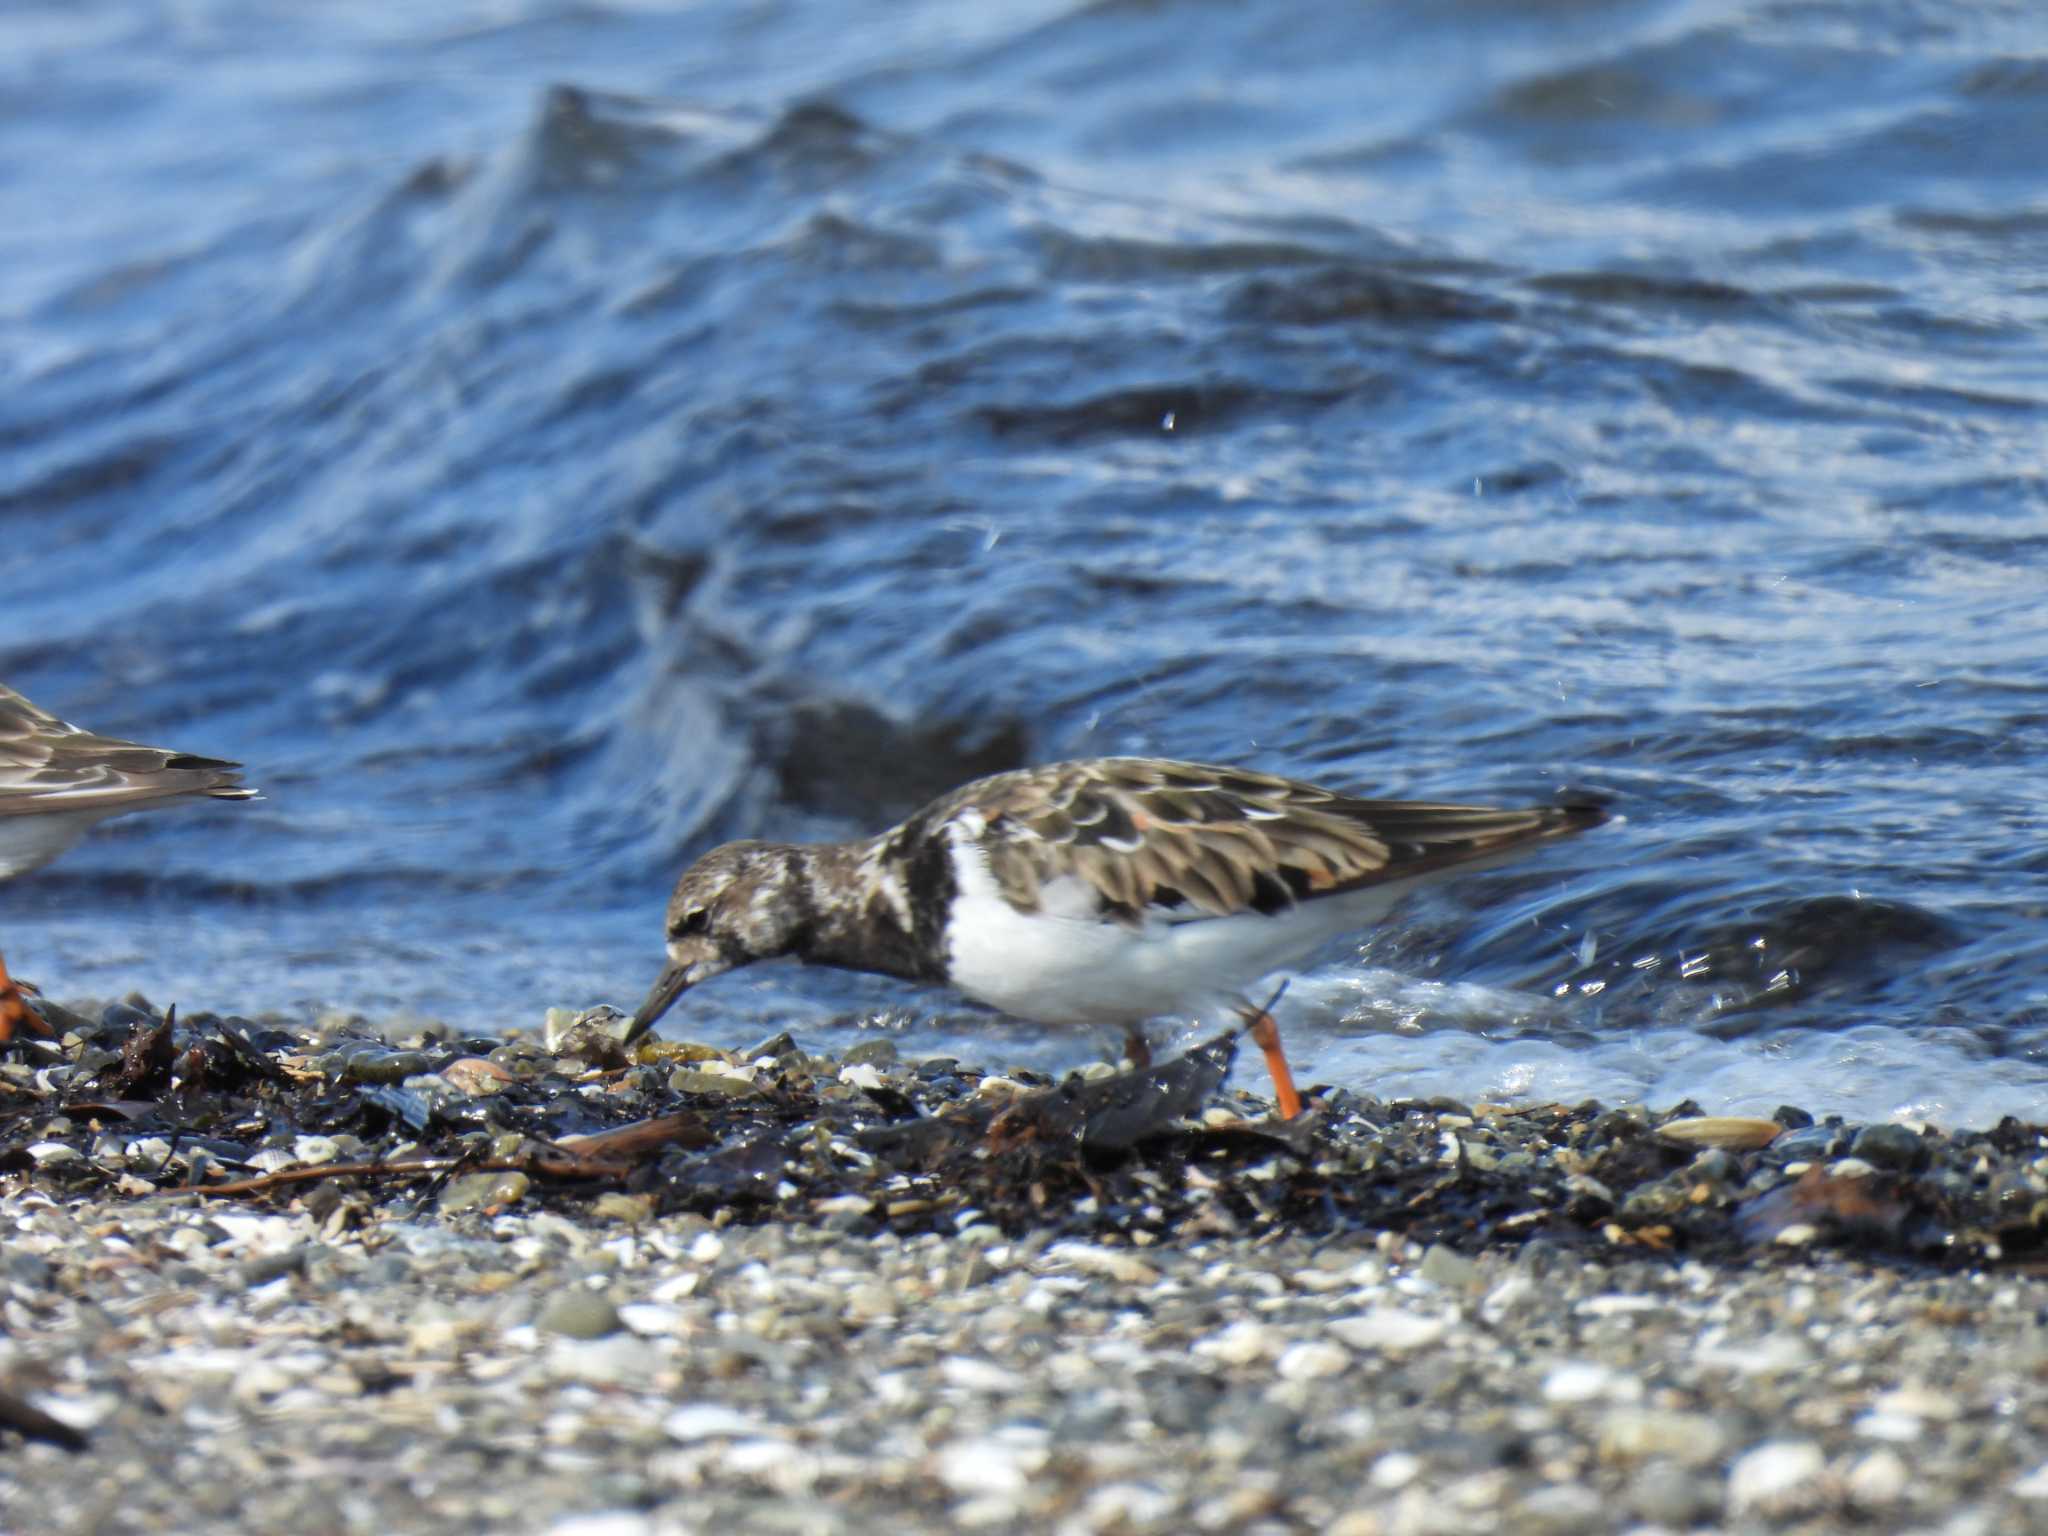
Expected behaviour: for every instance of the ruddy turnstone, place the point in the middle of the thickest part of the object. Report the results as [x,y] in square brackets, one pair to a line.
[57,780]
[1107,891]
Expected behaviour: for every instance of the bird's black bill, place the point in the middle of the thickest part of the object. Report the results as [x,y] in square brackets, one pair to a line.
[670,985]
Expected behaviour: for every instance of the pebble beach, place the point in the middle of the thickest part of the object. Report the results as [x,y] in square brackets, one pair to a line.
[939,1305]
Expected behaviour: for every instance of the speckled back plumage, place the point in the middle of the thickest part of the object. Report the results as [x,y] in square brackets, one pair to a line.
[1150,834]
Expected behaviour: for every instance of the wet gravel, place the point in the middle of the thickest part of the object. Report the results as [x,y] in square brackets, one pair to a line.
[535,1283]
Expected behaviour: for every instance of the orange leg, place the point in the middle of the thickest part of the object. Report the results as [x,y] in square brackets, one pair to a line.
[15,1014]
[1266,1034]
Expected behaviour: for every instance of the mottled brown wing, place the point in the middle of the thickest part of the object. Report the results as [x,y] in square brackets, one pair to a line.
[1188,839]
[46,763]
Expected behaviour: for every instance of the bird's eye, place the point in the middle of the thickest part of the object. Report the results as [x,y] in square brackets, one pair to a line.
[691,921]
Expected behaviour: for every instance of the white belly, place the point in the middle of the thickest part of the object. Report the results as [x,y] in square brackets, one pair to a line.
[1064,965]
[29,841]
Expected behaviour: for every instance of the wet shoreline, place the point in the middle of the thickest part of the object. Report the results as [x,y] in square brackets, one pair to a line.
[567,1289]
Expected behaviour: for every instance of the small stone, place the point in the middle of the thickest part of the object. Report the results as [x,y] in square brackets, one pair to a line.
[999,1465]
[1638,1434]
[861,1075]
[554,1025]
[1512,1295]
[1889,1146]
[1809,1143]
[1672,1497]
[1779,1477]
[125,1017]
[1897,1428]
[578,1313]
[650,1319]
[1919,1402]
[694,1080]
[973,1375]
[1449,1268]
[1396,1469]
[1389,1329]
[630,1210]
[1877,1480]
[590,1032]
[274,1266]
[1109,1263]
[476,1076]
[480,1191]
[780,1043]
[1562,1508]
[30,1269]
[1241,1343]
[1237,1508]
[605,1017]
[315,1150]
[1585,1381]
[871,1053]
[711,1421]
[1773,1354]
[676,1052]
[1613,1304]
[869,1302]
[2034,1485]
[973,1271]
[1738,1132]
[1127,1506]
[1311,1360]
[1542,1259]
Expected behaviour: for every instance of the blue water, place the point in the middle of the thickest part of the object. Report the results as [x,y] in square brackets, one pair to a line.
[541,440]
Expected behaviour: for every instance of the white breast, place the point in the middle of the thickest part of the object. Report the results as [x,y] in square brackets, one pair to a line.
[1064,964]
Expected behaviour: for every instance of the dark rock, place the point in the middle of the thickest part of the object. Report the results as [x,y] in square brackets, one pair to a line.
[1890,1146]
[273,1266]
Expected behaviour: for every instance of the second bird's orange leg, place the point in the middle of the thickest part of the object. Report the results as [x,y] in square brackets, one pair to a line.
[1266,1035]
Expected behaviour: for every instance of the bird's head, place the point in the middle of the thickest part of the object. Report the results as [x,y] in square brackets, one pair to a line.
[732,907]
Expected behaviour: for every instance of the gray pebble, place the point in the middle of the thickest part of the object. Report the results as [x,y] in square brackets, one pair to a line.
[1666,1494]
[578,1313]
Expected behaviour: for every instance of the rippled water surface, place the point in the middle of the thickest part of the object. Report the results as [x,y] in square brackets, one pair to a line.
[542,440]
